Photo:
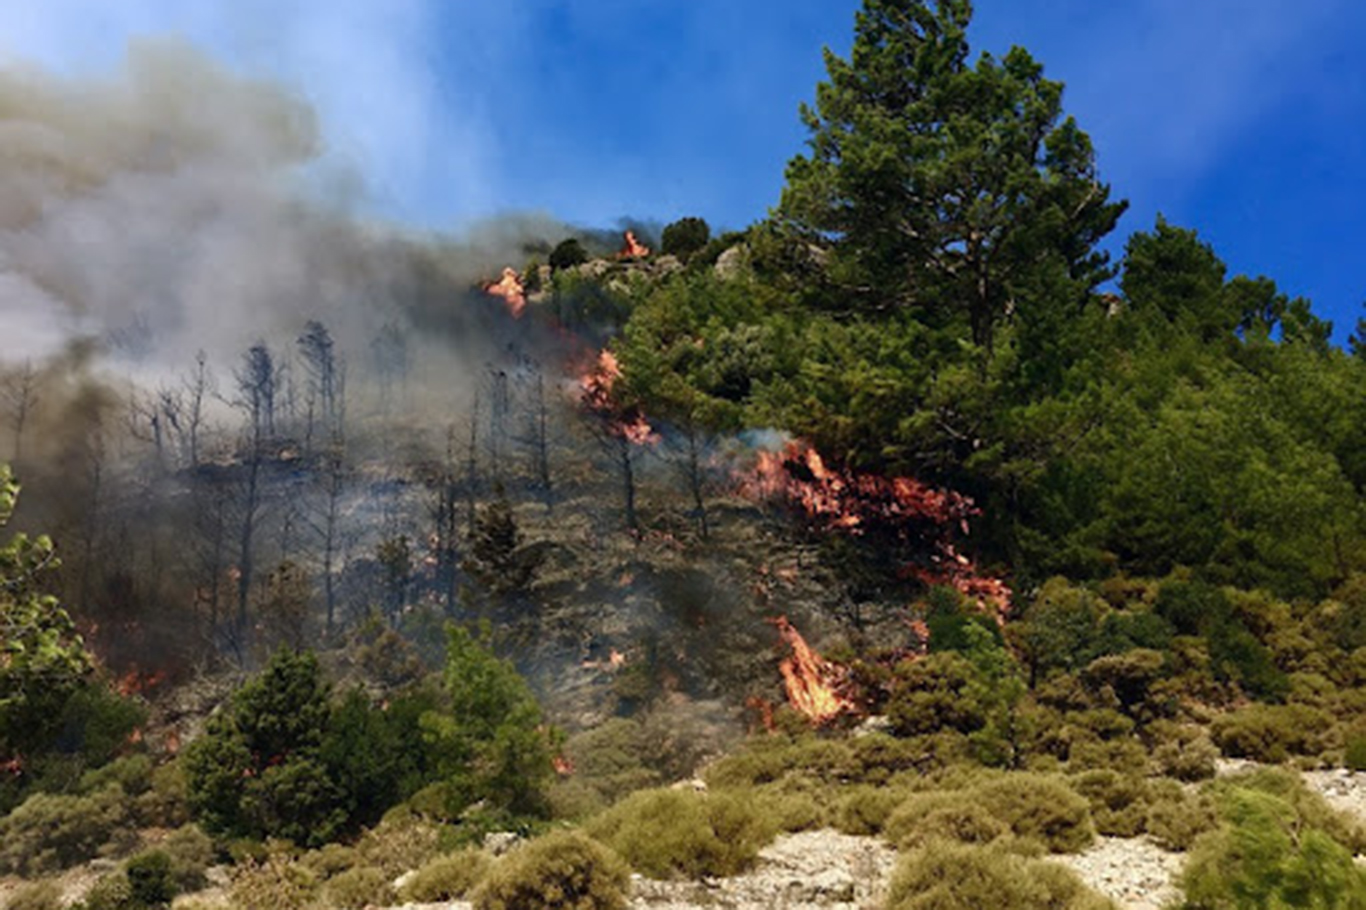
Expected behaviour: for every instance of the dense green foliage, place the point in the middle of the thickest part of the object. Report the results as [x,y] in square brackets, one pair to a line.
[684,237]
[563,870]
[287,760]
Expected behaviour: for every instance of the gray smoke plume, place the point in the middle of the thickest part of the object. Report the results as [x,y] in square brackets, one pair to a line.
[163,208]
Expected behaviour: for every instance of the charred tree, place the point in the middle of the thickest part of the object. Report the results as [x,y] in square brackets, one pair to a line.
[256,397]
[392,363]
[324,521]
[318,353]
[445,519]
[20,391]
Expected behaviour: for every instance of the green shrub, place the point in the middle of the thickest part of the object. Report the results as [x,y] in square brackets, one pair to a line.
[447,877]
[959,821]
[1032,806]
[1176,818]
[164,804]
[53,831]
[664,833]
[191,853]
[1267,857]
[150,882]
[397,845]
[1354,754]
[276,882]
[684,237]
[110,892]
[1184,752]
[358,888]
[1271,733]
[36,896]
[133,773]
[943,875]
[865,809]
[935,693]
[1309,807]
[567,253]
[787,807]
[1119,802]
[1040,807]
[564,869]
[330,860]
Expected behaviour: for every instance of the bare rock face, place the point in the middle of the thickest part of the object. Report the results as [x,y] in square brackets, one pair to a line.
[1133,872]
[812,870]
[732,262]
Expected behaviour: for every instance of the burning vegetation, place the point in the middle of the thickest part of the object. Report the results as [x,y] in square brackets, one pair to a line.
[511,290]
[811,682]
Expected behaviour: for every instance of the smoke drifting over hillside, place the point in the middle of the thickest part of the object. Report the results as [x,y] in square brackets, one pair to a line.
[162,208]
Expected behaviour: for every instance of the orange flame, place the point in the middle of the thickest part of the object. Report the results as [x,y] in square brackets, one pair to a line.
[139,682]
[632,248]
[510,288]
[626,422]
[854,502]
[809,678]
[563,766]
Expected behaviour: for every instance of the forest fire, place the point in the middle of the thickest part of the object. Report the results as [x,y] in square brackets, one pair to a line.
[139,682]
[510,288]
[907,510]
[625,422]
[632,248]
[810,680]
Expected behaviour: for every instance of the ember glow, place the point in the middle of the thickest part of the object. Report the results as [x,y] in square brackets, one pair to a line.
[510,288]
[632,248]
[625,422]
[810,680]
[139,682]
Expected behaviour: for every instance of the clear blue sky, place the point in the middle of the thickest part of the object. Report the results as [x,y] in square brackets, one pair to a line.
[1245,119]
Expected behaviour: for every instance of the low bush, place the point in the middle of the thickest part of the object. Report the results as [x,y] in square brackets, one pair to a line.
[330,860]
[150,882]
[48,832]
[1176,818]
[36,896]
[1119,802]
[1266,856]
[1184,752]
[788,808]
[110,892]
[276,882]
[665,833]
[357,888]
[397,845]
[1031,806]
[1309,807]
[1271,733]
[942,875]
[565,869]
[864,810]
[447,877]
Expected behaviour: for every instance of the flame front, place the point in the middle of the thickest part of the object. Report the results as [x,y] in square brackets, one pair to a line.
[632,248]
[627,422]
[510,288]
[810,679]
[903,506]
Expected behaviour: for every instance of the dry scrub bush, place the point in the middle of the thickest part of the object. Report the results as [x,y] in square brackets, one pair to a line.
[565,870]
[357,888]
[1032,806]
[1176,818]
[276,882]
[943,875]
[50,831]
[397,844]
[863,810]
[110,892]
[330,860]
[1119,802]
[36,896]
[1272,733]
[446,877]
[665,833]
[1184,752]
